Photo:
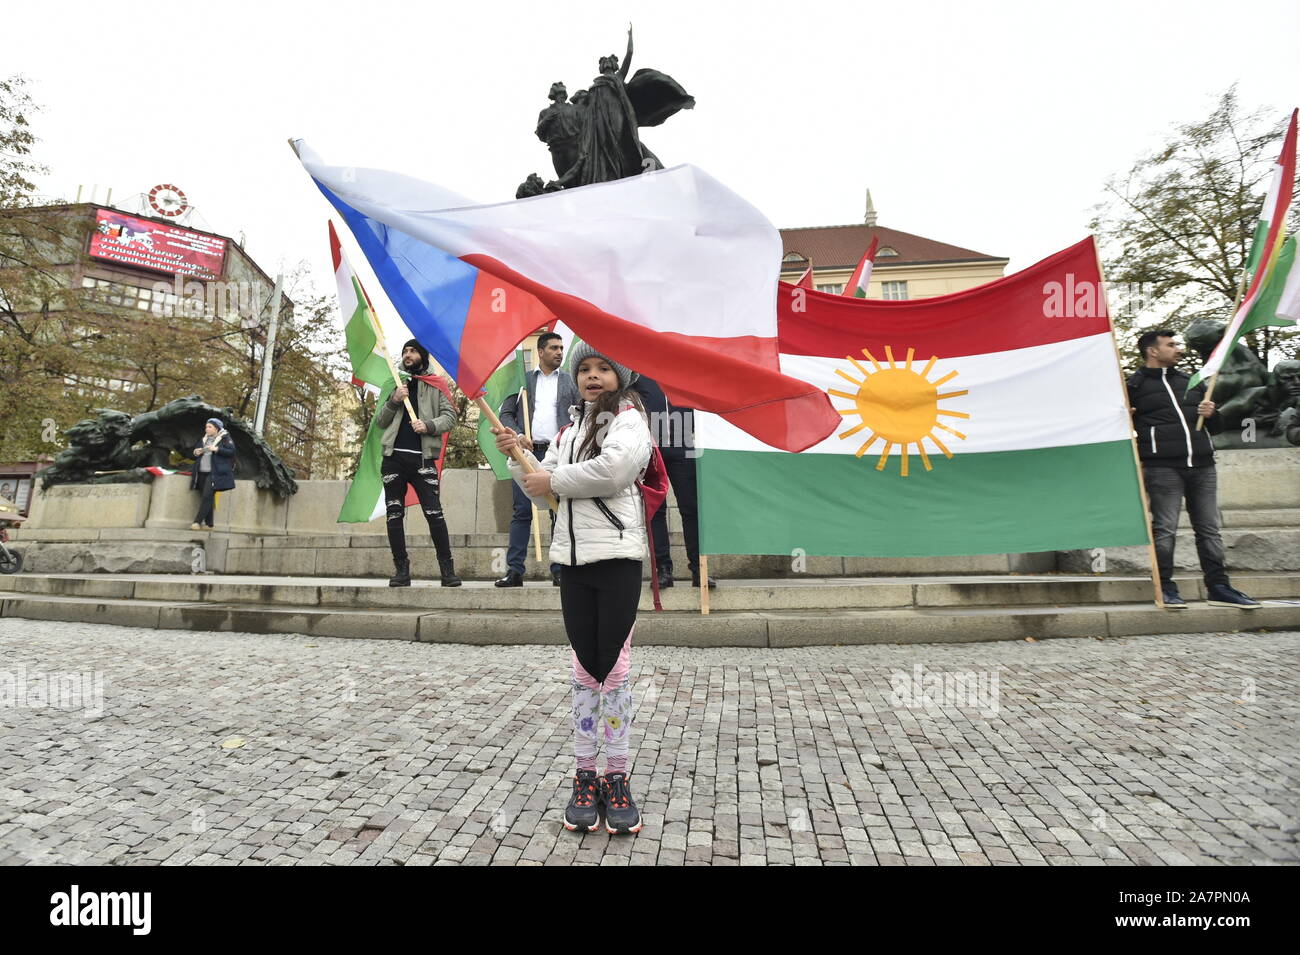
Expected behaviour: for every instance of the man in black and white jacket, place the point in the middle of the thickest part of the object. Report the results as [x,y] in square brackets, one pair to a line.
[1178,463]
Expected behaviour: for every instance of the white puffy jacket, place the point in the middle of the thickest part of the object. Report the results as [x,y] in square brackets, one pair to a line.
[598,494]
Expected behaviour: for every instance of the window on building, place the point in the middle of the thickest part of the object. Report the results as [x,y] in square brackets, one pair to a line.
[885,251]
[299,415]
[834,288]
[894,290]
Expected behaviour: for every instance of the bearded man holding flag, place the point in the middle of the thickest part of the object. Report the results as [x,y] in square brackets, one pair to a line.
[411,447]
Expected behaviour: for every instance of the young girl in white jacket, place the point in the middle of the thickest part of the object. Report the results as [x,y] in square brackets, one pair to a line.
[600,537]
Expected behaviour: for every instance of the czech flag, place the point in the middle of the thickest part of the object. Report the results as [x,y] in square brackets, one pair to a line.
[668,272]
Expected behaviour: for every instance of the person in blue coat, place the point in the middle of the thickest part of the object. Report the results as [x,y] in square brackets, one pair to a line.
[214,470]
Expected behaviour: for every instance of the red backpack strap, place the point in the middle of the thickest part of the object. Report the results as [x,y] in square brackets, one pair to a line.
[654,492]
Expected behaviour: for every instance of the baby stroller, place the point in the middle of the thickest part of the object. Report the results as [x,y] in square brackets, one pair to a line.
[11,562]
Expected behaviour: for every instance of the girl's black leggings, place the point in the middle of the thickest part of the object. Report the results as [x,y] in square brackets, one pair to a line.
[599,602]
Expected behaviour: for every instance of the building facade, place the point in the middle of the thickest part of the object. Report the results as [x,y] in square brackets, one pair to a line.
[167,311]
[907,266]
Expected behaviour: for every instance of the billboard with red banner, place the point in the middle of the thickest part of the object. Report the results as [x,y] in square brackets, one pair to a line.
[142,244]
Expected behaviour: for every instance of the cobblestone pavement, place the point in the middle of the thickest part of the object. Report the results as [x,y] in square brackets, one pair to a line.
[228,749]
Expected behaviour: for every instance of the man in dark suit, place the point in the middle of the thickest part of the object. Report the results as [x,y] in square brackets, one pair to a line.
[551,393]
[674,430]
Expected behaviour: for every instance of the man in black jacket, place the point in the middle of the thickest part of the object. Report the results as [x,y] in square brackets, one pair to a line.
[551,393]
[674,430]
[1178,463]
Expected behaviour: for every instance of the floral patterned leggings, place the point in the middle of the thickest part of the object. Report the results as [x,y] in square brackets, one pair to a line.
[599,602]
[604,712]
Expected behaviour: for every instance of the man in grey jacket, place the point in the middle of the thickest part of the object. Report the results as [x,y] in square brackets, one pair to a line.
[411,450]
[551,393]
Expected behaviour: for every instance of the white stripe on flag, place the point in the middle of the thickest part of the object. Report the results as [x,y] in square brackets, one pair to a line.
[610,244]
[1024,398]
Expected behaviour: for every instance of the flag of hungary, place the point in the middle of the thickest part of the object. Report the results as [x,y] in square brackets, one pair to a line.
[990,421]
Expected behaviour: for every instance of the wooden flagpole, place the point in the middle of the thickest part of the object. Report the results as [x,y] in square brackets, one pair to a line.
[1132,440]
[524,462]
[528,433]
[704,584]
[1214,378]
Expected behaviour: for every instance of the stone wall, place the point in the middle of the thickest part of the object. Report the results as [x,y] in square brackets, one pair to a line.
[473,501]
[144,528]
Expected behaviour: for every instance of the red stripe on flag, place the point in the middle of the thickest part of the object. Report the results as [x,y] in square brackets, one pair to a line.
[336,252]
[1277,220]
[500,316]
[735,378]
[851,289]
[1057,300]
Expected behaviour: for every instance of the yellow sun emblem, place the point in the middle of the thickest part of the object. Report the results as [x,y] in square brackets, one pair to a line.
[899,405]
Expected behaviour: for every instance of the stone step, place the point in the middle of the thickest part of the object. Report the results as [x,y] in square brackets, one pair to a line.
[789,628]
[1247,549]
[808,593]
[482,556]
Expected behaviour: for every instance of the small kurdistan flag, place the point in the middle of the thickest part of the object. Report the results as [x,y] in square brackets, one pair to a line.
[505,381]
[371,367]
[861,278]
[992,421]
[1272,257]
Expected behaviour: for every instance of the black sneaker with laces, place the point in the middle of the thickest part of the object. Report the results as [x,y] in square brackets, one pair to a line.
[621,814]
[583,811]
[1173,601]
[1221,595]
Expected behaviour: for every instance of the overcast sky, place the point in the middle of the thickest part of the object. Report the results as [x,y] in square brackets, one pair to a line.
[991,126]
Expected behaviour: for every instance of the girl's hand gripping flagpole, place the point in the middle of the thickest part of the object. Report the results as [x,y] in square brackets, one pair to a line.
[524,462]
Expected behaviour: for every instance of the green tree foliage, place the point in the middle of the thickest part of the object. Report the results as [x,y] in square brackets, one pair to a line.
[1175,230]
[16,143]
[462,446]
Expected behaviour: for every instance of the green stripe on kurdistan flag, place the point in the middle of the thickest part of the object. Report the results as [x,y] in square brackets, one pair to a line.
[1003,502]
[506,380]
[1265,309]
[368,365]
[365,497]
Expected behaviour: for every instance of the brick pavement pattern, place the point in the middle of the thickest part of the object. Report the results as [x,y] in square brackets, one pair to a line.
[237,749]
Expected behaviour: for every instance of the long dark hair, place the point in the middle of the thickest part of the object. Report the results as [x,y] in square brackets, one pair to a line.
[607,404]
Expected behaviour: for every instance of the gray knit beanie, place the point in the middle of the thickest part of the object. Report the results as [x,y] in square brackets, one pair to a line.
[581,351]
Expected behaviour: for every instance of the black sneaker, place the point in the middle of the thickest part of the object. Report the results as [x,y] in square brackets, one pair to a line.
[1224,596]
[621,814]
[583,811]
[1173,601]
[665,577]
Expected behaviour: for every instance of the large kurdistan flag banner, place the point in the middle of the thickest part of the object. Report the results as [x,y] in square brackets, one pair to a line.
[990,421]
